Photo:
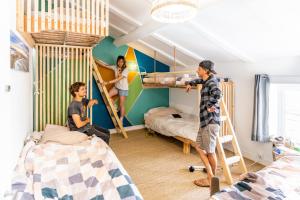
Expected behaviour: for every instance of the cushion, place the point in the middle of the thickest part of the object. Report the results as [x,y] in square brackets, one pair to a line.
[62,135]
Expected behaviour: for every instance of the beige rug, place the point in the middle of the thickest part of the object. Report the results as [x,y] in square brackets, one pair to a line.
[160,169]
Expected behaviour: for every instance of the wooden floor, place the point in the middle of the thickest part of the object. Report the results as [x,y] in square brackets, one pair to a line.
[160,169]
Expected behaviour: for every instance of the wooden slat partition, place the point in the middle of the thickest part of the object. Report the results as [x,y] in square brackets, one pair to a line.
[54,73]
[73,15]
[49,14]
[55,11]
[61,15]
[102,18]
[21,10]
[52,84]
[36,16]
[43,15]
[88,16]
[29,18]
[83,17]
[107,18]
[80,16]
[93,7]
[36,88]
[67,15]
[97,16]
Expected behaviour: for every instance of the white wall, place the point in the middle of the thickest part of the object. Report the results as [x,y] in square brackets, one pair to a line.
[243,76]
[16,105]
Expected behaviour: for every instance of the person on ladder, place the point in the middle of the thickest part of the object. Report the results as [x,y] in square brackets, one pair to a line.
[121,85]
[209,119]
[77,113]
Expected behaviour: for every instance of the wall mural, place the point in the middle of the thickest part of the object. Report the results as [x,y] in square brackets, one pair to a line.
[140,99]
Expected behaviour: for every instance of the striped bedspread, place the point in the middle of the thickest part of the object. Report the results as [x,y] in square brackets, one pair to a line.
[87,171]
[280,180]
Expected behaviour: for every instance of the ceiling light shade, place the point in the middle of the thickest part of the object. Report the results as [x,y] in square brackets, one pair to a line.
[174,11]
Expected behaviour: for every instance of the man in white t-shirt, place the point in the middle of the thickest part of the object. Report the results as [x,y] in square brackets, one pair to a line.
[121,84]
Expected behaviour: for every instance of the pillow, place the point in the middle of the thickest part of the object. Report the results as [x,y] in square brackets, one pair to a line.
[62,135]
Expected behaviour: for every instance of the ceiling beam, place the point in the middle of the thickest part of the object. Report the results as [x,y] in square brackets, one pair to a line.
[178,47]
[141,32]
[124,16]
[170,57]
[229,48]
[118,28]
[150,52]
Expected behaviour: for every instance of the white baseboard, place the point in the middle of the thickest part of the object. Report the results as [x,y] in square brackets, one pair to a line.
[129,128]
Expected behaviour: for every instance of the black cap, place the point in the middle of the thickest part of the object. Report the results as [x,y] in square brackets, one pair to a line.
[208,65]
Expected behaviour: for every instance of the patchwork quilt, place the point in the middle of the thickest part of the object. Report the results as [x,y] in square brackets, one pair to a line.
[278,181]
[87,171]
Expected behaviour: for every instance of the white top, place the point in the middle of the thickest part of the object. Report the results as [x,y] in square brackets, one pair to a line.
[123,83]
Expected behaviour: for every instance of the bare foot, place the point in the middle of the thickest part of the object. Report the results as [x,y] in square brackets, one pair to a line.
[204,182]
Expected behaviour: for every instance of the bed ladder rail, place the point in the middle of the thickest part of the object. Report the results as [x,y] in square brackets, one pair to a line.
[107,100]
[229,137]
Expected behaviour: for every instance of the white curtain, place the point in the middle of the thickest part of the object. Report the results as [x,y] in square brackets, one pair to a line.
[260,132]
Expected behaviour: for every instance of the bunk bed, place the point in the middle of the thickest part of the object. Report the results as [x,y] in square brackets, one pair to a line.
[173,122]
[167,79]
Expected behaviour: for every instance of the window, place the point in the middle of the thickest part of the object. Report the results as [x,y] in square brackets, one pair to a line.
[284,118]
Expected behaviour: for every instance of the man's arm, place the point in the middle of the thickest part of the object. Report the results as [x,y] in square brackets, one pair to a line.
[92,102]
[78,122]
[195,82]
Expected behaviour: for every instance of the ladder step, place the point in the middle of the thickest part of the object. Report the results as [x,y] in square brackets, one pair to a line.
[232,160]
[225,138]
[223,118]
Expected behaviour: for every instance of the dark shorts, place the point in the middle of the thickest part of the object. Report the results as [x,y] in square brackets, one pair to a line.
[207,136]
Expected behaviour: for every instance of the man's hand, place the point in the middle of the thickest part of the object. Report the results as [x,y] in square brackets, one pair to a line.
[211,109]
[87,120]
[95,101]
[92,102]
[188,88]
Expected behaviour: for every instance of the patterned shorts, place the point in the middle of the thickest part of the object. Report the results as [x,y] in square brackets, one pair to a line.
[207,136]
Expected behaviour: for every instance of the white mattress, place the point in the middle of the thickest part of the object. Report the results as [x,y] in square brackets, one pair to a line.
[161,120]
[167,80]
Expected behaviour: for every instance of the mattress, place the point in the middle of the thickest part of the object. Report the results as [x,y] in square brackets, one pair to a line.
[280,180]
[178,81]
[88,170]
[161,120]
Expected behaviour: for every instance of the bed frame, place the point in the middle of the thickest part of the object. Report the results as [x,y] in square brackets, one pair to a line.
[227,88]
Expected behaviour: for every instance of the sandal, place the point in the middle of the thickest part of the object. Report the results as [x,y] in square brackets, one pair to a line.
[202,182]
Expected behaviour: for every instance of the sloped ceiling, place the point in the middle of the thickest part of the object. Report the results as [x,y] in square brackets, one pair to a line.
[223,31]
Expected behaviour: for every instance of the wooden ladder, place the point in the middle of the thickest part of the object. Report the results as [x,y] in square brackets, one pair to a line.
[225,138]
[107,100]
